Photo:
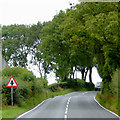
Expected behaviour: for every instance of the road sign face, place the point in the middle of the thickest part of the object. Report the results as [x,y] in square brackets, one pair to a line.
[12,83]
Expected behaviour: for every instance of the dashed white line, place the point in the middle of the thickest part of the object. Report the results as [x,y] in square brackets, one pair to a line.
[66,110]
[84,93]
[67,105]
[65,117]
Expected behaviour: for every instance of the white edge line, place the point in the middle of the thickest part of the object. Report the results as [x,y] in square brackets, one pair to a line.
[31,109]
[105,108]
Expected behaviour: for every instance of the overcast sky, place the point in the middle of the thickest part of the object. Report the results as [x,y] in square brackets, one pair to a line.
[32,11]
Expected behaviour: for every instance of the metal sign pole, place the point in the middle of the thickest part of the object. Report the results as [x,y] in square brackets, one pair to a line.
[12,96]
[12,83]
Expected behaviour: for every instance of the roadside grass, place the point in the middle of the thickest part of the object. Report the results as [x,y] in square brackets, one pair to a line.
[14,111]
[109,101]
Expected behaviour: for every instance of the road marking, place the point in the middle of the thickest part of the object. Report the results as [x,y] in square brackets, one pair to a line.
[67,105]
[65,117]
[31,109]
[105,108]
[84,93]
[66,110]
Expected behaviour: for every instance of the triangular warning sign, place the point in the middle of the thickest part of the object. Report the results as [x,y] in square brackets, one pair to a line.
[12,83]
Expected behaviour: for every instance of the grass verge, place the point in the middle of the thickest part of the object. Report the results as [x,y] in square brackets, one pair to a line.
[109,101]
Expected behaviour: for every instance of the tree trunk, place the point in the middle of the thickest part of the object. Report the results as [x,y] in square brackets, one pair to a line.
[86,73]
[65,77]
[73,75]
[82,71]
[71,70]
[40,71]
[76,71]
[90,75]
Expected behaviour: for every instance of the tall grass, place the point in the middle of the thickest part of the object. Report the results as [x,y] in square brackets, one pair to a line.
[110,100]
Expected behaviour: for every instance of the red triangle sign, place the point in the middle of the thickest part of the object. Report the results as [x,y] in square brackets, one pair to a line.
[12,83]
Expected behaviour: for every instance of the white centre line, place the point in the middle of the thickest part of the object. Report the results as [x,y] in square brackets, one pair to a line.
[84,93]
[66,110]
[67,105]
[65,117]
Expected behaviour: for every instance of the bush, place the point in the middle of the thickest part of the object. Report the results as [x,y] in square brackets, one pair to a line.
[54,87]
[27,85]
[19,72]
[42,82]
[76,83]
[114,83]
[72,83]
[89,86]
[23,91]
[63,84]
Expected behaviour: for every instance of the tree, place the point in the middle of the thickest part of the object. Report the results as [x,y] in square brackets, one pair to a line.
[53,46]
[34,35]
[103,29]
[15,45]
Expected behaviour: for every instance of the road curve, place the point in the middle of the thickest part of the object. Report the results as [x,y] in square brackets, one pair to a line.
[74,105]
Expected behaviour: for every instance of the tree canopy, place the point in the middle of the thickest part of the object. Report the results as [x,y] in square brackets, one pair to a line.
[79,38]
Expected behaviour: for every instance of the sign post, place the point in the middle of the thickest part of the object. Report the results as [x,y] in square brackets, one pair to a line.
[12,96]
[12,83]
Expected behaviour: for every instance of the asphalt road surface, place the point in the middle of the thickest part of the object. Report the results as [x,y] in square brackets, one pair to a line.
[74,105]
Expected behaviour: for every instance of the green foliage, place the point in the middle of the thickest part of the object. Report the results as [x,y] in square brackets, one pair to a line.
[63,84]
[82,37]
[114,85]
[19,72]
[15,44]
[42,82]
[14,111]
[54,87]
[23,91]
[18,42]
[109,101]
[90,86]
[110,96]
[103,30]
[28,85]
[73,84]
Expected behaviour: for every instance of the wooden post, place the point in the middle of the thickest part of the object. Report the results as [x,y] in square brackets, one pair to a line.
[12,96]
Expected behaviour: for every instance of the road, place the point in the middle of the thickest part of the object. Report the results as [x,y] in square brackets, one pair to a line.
[74,105]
